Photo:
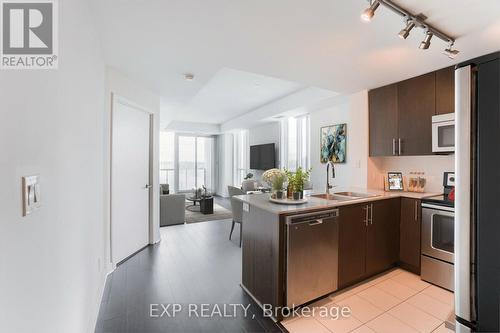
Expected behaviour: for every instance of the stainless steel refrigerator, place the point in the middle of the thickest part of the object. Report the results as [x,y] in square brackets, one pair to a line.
[477,199]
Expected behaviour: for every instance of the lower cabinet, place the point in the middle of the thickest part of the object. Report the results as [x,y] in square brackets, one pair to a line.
[352,243]
[382,238]
[410,230]
[368,239]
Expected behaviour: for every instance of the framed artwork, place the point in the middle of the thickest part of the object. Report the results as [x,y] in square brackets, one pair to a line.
[333,143]
[395,180]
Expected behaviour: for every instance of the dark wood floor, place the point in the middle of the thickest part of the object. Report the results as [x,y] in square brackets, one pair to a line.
[194,263]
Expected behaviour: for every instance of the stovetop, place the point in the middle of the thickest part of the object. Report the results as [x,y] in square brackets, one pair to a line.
[440,200]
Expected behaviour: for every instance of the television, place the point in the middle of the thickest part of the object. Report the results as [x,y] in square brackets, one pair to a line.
[262,157]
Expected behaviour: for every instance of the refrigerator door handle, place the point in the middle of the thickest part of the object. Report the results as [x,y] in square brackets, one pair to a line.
[463,160]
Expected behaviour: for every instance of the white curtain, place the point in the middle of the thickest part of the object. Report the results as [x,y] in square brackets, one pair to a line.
[294,143]
[241,156]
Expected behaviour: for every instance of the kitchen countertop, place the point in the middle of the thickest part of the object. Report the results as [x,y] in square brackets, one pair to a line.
[262,200]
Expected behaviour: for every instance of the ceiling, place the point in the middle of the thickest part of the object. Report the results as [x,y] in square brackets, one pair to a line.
[288,44]
[231,93]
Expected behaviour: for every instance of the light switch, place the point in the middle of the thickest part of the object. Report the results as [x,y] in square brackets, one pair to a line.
[31,194]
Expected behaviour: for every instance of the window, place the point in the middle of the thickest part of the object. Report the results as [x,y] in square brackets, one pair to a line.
[195,162]
[294,143]
[186,161]
[167,158]
[241,156]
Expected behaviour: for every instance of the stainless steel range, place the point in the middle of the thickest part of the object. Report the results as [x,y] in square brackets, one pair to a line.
[438,228]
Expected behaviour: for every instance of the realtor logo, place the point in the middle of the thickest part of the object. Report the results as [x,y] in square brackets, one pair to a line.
[29,34]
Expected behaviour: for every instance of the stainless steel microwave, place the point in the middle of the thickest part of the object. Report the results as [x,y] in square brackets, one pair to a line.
[443,133]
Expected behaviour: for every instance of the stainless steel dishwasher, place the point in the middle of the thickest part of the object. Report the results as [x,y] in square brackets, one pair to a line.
[312,256]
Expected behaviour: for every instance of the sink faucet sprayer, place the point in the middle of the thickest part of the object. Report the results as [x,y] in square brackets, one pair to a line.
[328,186]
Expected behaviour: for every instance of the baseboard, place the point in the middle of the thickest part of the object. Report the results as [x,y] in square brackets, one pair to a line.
[93,322]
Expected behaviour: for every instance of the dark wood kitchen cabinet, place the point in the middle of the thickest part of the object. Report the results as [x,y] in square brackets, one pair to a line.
[352,244]
[368,239]
[400,114]
[416,106]
[445,90]
[383,119]
[410,231]
[382,238]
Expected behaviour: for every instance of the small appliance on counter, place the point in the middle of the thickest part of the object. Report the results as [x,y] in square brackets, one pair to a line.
[438,228]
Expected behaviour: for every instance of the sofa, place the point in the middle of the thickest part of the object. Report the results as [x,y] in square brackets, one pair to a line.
[172,207]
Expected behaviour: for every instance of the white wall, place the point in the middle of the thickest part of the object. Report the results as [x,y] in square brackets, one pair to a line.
[51,263]
[224,163]
[119,84]
[268,133]
[193,128]
[352,110]
[432,166]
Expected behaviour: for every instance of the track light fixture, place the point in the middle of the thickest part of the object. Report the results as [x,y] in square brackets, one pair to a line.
[412,21]
[405,32]
[427,41]
[452,54]
[369,12]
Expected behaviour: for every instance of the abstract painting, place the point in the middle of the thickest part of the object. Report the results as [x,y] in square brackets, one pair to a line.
[333,143]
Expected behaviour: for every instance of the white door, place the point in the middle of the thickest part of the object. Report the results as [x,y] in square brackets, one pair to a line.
[129,180]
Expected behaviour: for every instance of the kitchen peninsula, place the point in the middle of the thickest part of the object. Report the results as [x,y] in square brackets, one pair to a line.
[294,254]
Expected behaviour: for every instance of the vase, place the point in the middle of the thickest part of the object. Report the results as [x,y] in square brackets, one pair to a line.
[280,194]
[296,196]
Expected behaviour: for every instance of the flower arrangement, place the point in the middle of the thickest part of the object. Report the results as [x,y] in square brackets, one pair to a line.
[275,178]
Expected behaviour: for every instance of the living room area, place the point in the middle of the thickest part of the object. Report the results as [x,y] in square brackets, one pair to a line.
[201,172]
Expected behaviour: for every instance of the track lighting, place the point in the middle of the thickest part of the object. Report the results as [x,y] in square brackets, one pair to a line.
[427,41]
[412,21]
[405,32]
[368,13]
[452,54]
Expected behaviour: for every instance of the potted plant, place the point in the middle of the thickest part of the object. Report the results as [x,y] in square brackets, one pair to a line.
[275,178]
[296,181]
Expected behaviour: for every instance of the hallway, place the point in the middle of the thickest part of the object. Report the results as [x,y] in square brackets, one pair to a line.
[194,263]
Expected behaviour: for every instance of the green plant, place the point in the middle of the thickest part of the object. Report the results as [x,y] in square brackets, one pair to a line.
[297,179]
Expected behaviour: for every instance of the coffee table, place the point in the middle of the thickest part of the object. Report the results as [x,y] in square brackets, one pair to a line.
[206,204]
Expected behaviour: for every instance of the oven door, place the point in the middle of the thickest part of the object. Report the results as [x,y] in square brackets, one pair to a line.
[438,232]
[443,135]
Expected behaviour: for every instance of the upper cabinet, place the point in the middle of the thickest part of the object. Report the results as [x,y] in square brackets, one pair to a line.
[400,114]
[445,90]
[383,105]
[416,106]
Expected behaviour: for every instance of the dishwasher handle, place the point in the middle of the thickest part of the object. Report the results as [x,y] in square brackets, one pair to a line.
[315,218]
[318,221]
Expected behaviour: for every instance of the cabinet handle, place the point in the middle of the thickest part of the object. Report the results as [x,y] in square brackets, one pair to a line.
[371,214]
[366,215]
[416,211]
[393,146]
[399,146]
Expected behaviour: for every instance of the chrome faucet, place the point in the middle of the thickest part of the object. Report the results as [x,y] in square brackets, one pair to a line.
[328,186]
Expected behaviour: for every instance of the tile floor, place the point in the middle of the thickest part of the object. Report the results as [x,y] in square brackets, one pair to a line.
[394,302]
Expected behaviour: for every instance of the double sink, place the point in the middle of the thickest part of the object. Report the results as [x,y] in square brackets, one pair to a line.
[344,196]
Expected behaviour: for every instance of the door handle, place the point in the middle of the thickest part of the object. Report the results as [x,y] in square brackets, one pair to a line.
[393,146]
[399,146]
[148,186]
